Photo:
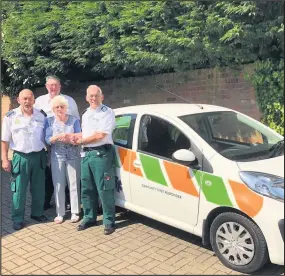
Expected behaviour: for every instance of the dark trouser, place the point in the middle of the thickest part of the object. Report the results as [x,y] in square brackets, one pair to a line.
[28,168]
[49,188]
[98,179]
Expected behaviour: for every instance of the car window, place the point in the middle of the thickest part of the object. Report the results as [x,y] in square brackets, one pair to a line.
[229,127]
[123,133]
[233,135]
[198,124]
[159,137]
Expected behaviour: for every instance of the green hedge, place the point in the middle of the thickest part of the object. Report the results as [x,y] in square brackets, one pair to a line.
[268,81]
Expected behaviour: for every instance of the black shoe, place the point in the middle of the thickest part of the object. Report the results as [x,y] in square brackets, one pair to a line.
[109,229]
[18,225]
[40,218]
[85,225]
[47,206]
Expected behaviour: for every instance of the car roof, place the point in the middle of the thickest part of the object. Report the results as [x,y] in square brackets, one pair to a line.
[176,110]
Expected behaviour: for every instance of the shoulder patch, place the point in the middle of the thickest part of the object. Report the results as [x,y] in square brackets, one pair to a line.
[104,108]
[11,112]
[43,112]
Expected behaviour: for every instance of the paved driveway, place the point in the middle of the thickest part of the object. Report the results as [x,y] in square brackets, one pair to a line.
[139,246]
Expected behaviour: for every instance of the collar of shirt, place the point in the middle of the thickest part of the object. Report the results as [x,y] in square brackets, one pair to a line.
[45,104]
[49,98]
[19,113]
[96,110]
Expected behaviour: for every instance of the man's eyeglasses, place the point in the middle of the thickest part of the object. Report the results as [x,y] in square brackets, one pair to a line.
[53,84]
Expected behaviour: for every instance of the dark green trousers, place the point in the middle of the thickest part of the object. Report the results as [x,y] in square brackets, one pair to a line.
[28,168]
[98,179]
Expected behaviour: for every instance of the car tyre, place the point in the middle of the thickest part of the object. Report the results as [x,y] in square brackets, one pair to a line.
[245,250]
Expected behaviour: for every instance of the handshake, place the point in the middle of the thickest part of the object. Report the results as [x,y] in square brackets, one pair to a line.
[68,138]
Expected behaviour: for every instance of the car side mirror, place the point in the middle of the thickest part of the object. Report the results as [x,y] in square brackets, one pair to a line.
[186,158]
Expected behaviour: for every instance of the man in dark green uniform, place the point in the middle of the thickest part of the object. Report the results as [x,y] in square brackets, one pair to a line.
[97,166]
[23,131]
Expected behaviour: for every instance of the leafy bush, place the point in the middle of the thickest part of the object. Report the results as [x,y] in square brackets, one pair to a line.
[268,81]
[92,40]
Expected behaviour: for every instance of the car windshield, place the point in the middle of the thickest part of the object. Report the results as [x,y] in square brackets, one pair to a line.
[235,136]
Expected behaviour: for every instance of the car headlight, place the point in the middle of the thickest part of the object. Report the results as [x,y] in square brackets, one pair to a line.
[264,184]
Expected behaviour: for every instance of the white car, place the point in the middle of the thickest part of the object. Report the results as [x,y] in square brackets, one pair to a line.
[208,170]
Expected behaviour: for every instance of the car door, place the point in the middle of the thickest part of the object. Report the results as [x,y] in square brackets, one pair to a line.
[158,184]
[123,140]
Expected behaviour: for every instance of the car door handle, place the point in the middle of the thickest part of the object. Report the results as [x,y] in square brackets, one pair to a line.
[137,163]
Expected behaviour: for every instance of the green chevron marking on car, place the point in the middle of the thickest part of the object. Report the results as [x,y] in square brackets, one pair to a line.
[213,188]
[152,170]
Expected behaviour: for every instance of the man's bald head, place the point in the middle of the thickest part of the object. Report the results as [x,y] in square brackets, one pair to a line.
[25,92]
[26,100]
[94,96]
[94,88]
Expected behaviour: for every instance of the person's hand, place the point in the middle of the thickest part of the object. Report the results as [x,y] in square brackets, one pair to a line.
[69,138]
[77,140]
[73,138]
[6,165]
[62,137]
[77,135]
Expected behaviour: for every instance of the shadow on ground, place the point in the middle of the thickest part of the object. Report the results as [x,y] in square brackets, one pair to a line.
[132,218]
[124,219]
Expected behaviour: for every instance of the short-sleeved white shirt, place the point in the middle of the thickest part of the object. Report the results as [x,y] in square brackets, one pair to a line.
[43,102]
[24,134]
[101,120]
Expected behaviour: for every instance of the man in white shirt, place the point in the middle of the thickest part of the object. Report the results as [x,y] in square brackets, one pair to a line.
[53,87]
[97,164]
[23,132]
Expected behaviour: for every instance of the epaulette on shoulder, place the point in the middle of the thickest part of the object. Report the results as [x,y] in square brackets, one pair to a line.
[11,112]
[84,111]
[104,108]
[43,112]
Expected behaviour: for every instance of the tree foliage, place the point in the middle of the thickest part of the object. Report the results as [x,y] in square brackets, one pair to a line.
[268,81]
[104,39]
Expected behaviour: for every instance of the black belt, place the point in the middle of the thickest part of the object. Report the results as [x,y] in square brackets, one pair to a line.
[23,153]
[103,147]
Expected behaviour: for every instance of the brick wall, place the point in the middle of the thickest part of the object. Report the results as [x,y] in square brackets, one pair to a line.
[6,105]
[209,86]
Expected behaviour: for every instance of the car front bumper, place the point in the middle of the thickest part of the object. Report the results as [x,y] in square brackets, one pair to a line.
[271,224]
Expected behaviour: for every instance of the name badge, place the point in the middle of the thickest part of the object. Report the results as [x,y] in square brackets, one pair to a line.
[82,154]
[17,121]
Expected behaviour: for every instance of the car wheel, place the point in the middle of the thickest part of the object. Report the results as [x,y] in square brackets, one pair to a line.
[238,242]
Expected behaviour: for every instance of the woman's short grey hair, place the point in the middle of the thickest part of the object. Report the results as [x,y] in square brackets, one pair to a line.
[58,100]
